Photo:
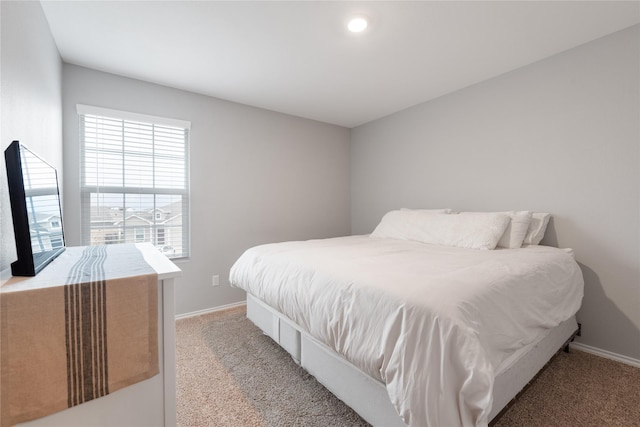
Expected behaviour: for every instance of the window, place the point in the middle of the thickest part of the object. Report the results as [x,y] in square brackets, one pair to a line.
[160,236]
[56,242]
[134,177]
[110,239]
[139,234]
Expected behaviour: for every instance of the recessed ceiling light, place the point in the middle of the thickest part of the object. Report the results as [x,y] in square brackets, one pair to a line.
[358,24]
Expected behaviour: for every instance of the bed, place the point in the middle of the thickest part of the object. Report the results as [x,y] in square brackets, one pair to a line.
[425,322]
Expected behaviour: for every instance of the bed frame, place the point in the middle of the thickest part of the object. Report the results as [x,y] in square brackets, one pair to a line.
[368,396]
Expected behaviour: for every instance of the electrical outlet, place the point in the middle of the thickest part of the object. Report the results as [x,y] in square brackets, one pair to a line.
[215,280]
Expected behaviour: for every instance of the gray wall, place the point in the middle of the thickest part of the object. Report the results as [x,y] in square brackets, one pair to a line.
[256,176]
[31,73]
[561,135]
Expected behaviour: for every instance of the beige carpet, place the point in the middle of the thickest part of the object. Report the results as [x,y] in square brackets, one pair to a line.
[230,375]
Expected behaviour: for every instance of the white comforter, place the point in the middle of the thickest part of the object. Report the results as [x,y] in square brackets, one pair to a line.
[431,322]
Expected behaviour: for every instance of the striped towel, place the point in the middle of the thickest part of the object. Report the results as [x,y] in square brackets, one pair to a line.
[84,327]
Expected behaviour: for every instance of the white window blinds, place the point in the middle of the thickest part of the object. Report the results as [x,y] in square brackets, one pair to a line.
[134,180]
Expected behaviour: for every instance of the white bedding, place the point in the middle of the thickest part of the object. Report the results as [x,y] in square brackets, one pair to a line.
[433,323]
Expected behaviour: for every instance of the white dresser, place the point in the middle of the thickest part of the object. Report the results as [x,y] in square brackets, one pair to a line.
[151,402]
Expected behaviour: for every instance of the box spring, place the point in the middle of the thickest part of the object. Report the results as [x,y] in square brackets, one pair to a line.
[368,396]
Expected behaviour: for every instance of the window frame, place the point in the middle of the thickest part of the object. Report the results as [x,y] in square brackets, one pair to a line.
[86,190]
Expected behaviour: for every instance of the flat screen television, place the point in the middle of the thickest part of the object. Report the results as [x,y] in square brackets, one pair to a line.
[36,210]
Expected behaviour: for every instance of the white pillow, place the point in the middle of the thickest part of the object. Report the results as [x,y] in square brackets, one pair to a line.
[516,230]
[428,210]
[474,231]
[538,226]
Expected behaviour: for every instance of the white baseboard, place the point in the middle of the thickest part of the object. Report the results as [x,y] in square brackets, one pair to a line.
[606,354]
[210,310]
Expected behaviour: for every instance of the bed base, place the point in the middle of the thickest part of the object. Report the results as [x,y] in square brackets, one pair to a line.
[577,333]
[565,348]
[368,396]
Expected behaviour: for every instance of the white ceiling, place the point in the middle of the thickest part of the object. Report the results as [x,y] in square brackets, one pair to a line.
[298,58]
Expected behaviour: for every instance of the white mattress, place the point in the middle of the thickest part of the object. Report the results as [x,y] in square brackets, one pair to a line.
[432,323]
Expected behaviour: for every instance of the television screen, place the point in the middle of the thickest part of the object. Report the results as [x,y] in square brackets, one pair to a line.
[36,211]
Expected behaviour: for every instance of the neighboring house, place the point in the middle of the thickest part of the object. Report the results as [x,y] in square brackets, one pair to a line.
[160,226]
[103,220]
[46,233]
